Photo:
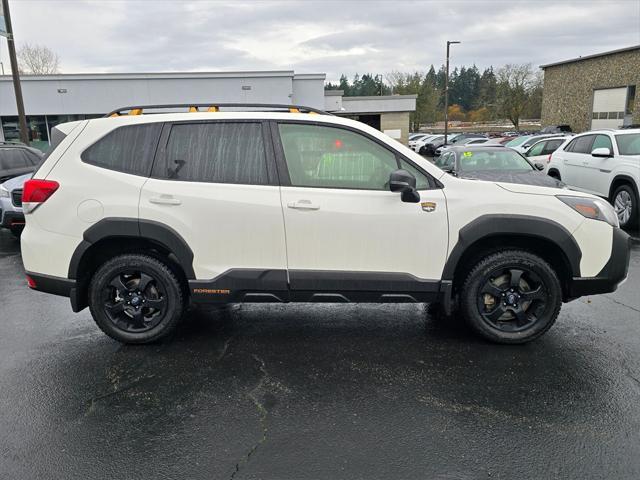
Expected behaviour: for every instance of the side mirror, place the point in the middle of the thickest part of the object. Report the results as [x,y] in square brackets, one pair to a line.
[539,166]
[601,152]
[405,183]
[526,145]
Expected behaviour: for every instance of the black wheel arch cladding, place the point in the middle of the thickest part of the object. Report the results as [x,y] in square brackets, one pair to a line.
[487,226]
[133,228]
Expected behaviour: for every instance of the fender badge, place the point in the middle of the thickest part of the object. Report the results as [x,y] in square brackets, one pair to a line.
[428,206]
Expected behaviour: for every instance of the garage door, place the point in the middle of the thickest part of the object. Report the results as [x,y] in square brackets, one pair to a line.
[608,107]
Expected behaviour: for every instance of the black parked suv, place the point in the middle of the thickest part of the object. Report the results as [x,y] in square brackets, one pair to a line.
[557,129]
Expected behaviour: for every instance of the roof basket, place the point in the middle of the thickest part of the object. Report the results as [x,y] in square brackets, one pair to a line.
[215,107]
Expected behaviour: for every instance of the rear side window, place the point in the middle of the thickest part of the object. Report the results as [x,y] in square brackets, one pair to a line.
[129,149]
[551,146]
[216,152]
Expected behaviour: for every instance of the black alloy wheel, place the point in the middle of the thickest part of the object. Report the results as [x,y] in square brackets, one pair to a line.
[511,299]
[512,296]
[136,298]
[134,301]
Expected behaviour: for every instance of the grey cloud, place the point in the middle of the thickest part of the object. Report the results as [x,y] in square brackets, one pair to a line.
[331,36]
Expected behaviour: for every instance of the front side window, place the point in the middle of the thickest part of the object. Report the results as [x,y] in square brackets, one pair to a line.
[422,181]
[330,157]
[215,152]
[602,141]
[581,144]
[128,149]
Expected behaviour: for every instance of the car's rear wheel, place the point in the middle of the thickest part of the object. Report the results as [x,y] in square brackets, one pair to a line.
[625,203]
[136,298]
[511,297]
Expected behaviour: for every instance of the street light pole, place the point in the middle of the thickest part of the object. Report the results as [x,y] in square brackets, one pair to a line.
[22,120]
[446,95]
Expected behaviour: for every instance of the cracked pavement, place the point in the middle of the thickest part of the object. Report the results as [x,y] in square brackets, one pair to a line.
[317,392]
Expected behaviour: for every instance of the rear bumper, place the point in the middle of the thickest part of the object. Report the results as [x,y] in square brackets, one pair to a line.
[613,273]
[63,287]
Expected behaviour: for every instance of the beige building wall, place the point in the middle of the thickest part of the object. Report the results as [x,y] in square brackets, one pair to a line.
[396,121]
[568,87]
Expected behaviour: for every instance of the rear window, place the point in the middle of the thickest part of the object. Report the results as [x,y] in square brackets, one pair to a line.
[129,149]
[216,152]
[628,144]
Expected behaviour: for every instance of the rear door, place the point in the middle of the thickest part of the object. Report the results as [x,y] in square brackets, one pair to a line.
[214,183]
[348,236]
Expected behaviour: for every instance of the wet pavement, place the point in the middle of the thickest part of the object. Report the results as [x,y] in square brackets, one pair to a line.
[317,392]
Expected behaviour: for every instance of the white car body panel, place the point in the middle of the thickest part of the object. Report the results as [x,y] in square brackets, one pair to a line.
[240,226]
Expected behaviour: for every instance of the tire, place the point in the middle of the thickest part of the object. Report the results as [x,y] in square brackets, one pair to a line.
[135,298]
[507,316]
[625,202]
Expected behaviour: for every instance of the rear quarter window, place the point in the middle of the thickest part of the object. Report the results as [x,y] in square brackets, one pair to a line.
[128,149]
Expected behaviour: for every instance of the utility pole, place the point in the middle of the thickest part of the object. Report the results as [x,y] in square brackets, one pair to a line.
[446,95]
[22,120]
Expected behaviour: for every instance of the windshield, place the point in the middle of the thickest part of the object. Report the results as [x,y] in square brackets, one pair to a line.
[517,141]
[493,160]
[628,144]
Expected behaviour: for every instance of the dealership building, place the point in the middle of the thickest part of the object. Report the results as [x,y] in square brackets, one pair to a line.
[53,99]
[594,91]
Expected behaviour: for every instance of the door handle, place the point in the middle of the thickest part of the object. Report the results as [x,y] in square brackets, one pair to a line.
[303,205]
[165,200]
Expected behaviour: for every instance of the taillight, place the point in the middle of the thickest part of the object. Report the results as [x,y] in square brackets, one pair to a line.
[549,159]
[36,192]
[31,282]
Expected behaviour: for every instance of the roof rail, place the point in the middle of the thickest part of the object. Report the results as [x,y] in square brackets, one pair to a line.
[215,107]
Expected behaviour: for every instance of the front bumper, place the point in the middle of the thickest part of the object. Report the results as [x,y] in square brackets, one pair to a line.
[612,274]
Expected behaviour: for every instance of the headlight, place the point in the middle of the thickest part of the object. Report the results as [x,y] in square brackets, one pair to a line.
[594,208]
[4,192]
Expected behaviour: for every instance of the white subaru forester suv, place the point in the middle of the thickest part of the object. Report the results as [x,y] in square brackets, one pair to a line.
[139,215]
[605,163]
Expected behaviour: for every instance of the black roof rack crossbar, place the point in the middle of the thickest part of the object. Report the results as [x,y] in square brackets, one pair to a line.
[215,107]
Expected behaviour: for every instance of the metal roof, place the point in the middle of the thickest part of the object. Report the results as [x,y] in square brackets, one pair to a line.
[595,55]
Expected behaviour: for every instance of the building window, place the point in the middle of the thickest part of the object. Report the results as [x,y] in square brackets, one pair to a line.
[631,99]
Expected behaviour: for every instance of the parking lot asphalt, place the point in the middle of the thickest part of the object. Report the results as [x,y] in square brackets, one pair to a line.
[317,392]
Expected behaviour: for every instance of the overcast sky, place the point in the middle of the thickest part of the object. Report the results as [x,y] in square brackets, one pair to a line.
[328,36]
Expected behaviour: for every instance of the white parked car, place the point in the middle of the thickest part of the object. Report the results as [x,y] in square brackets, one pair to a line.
[540,152]
[424,141]
[522,144]
[605,163]
[417,137]
[137,216]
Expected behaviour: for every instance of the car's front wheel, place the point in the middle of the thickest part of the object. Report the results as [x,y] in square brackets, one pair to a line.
[135,298]
[511,297]
[625,203]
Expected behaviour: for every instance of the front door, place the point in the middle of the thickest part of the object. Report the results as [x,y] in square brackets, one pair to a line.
[597,175]
[575,161]
[349,237]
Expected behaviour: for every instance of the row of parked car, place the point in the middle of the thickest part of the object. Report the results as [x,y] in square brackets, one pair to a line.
[603,162]
[17,164]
